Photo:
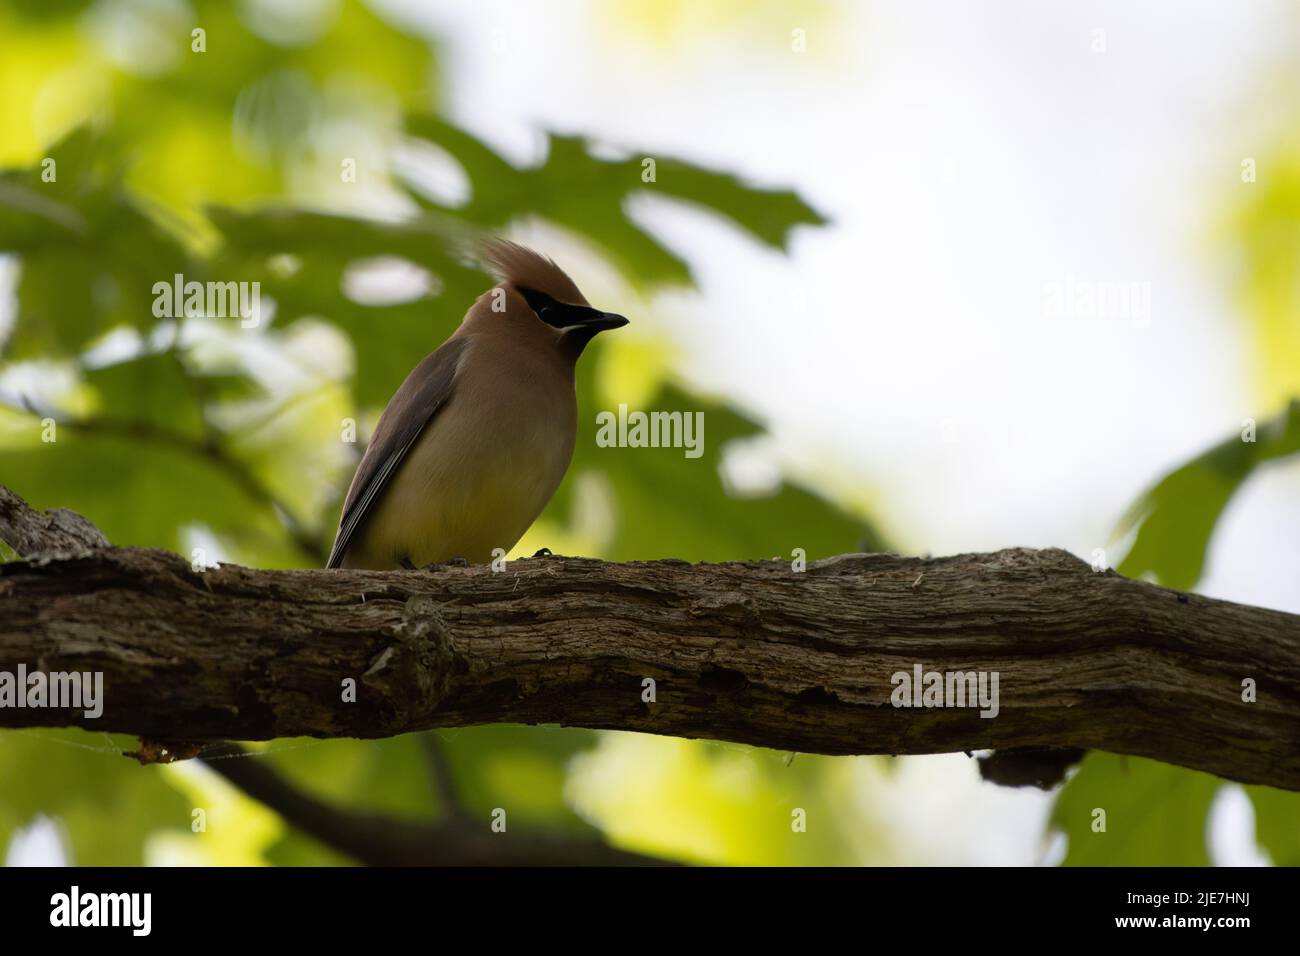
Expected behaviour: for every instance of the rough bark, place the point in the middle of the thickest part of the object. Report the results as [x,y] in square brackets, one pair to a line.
[29,531]
[750,652]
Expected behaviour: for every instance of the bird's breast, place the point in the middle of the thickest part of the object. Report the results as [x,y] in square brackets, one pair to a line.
[483,470]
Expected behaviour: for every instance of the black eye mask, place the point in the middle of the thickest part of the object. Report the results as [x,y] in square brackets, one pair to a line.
[562,315]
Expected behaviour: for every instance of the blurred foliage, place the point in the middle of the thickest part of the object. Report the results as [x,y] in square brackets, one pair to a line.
[1277,823]
[132,160]
[108,805]
[1158,813]
[718,802]
[1266,248]
[1162,810]
[1175,518]
[1154,813]
[195,432]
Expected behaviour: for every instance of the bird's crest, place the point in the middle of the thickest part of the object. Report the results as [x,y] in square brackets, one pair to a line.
[525,269]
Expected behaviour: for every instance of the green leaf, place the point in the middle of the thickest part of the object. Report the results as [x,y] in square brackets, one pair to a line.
[669,505]
[1277,823]
[1176,518]
[89,253]
[388,340]
[150,390]
[1155,813]
[588,194]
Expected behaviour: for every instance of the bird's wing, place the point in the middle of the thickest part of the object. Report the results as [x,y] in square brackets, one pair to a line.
[419,399]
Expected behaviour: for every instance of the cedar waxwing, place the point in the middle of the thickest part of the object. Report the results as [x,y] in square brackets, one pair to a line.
[479,436]
[476,440]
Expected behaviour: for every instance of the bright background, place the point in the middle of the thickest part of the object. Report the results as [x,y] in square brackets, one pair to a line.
[904,357]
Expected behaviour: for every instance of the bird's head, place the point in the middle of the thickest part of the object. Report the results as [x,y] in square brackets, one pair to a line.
[540,300]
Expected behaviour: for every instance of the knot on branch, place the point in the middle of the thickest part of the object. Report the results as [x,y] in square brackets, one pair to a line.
[415,672]
[29,531]
[735,609]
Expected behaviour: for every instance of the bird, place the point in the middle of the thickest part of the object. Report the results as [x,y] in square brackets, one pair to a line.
[477,439]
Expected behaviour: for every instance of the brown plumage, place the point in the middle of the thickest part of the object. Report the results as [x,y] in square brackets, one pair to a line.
[477,439]
[523,268]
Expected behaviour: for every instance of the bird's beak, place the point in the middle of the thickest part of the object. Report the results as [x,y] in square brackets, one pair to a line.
[591,321]
[604,321]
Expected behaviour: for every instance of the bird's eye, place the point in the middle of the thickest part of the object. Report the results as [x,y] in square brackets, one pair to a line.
[537,301]
[548,310]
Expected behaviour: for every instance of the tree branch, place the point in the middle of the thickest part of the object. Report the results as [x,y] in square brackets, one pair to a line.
[29,531]
[379,840]
[441,775]
[749,652]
